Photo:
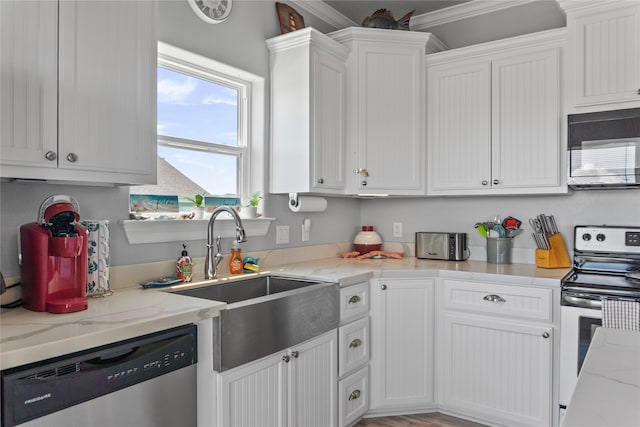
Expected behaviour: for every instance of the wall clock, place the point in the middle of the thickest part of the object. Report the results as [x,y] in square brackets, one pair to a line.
[211,11]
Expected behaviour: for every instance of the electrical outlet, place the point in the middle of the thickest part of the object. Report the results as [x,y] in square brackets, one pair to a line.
[397,229]
[282,234]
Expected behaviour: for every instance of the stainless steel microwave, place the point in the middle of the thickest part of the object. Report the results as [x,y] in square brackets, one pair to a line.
[604,149]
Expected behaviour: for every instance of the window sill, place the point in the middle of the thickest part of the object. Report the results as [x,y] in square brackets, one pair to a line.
[173,230]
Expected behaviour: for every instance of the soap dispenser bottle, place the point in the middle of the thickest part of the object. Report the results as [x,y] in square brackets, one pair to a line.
[184,265]
[235,259]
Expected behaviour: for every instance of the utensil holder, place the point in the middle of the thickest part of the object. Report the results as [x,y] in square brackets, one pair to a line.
[499,250]
[556,257]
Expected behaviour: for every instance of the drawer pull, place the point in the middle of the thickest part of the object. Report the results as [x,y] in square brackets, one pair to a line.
[355,343]
[295,354]
[354,299]
[494,298]
[286,358]
[354,395]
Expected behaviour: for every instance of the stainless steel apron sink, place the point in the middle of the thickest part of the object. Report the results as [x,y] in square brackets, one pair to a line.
[266,314]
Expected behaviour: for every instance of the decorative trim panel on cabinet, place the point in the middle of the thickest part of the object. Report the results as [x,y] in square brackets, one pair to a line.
[308,113]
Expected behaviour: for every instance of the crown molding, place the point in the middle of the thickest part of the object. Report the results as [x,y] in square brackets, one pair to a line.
[462,11]
[568,6]
[325,12]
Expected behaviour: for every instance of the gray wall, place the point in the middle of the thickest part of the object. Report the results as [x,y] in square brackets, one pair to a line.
[240,42]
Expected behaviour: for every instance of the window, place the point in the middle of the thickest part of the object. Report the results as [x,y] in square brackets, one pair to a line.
[204,128]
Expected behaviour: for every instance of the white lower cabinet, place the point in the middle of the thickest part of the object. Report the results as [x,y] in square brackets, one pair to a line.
[402,325]
[294,387]
[353,354]
[493,363]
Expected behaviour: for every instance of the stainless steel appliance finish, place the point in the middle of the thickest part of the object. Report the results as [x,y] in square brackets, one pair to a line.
[445,246]
[266,314]
[604,149]
[606,264]
[148,381]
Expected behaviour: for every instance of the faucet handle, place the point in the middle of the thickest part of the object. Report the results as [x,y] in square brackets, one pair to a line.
[240,235]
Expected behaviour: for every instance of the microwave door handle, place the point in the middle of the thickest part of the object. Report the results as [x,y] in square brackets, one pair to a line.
[583,302]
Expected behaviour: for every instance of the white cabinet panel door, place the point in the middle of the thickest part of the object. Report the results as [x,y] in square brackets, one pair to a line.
[459,131]
[498,370]
[107,106]
[606,45]
[313,382]
[29,83]
[526,112]
[401,364]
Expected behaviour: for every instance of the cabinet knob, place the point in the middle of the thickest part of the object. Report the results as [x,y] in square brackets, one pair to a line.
[51,155]
[72,157]
[321,181]
[485,182]
[383,287]
[286,358]
[638,91]
[494,298]
[295,354]
[354,299]
[355,343]
[354,395]
[545,335]
[496,181]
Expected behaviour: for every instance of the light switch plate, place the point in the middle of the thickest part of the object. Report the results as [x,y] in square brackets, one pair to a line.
[397,229]
[282,234]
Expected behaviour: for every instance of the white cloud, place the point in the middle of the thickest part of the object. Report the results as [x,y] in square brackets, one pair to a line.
[215,99]
[175,91]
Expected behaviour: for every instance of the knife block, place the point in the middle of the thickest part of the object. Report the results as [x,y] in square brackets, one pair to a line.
[556,257]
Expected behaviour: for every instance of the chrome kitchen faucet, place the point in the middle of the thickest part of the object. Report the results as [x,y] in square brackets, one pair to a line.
[211,261]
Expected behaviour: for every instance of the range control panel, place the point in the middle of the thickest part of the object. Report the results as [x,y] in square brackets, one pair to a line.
[607,239]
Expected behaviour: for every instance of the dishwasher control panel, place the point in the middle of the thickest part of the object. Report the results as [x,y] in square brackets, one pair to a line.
[41,388]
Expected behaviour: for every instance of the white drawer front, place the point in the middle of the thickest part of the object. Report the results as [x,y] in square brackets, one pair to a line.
[353,345]
[504,300]
[354,302]
[353,395]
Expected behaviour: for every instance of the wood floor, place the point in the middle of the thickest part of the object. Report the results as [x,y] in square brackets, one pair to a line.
[417,420]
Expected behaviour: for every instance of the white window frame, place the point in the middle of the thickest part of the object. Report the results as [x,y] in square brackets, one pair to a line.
[198,67]
[253,179]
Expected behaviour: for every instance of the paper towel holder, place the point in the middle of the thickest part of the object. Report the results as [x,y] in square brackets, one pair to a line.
[293,199]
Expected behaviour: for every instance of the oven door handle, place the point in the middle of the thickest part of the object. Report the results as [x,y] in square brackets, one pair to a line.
[582,302]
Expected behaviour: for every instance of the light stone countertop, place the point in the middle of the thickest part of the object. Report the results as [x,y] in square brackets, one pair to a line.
[608,389]
[27,336]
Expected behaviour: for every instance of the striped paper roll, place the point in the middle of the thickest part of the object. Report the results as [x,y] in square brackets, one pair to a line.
[98,258]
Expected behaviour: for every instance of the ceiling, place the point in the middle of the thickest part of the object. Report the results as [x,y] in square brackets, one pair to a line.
[466,22]
[357,10]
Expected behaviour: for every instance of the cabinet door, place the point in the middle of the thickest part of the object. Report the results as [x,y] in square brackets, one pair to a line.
[525,137]
[497,370]
[402,322]
[107,105]
[328,123]
[390,105]
[254,394]
[606,45]
[28,83]
[459,132]
[313,383]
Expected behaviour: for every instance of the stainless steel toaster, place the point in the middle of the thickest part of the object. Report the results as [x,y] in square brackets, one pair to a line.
[446,246]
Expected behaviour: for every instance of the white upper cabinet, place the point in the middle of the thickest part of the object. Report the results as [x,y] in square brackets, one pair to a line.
[308,102]
[385,110]
[495,118]
[603,55]
[80,86]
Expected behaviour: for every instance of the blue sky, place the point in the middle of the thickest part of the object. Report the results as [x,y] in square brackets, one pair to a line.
[196,109]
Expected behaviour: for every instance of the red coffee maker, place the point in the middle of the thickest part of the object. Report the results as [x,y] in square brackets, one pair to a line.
[54,258]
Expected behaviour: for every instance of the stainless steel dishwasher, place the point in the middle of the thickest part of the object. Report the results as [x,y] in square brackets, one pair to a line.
[144,381]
